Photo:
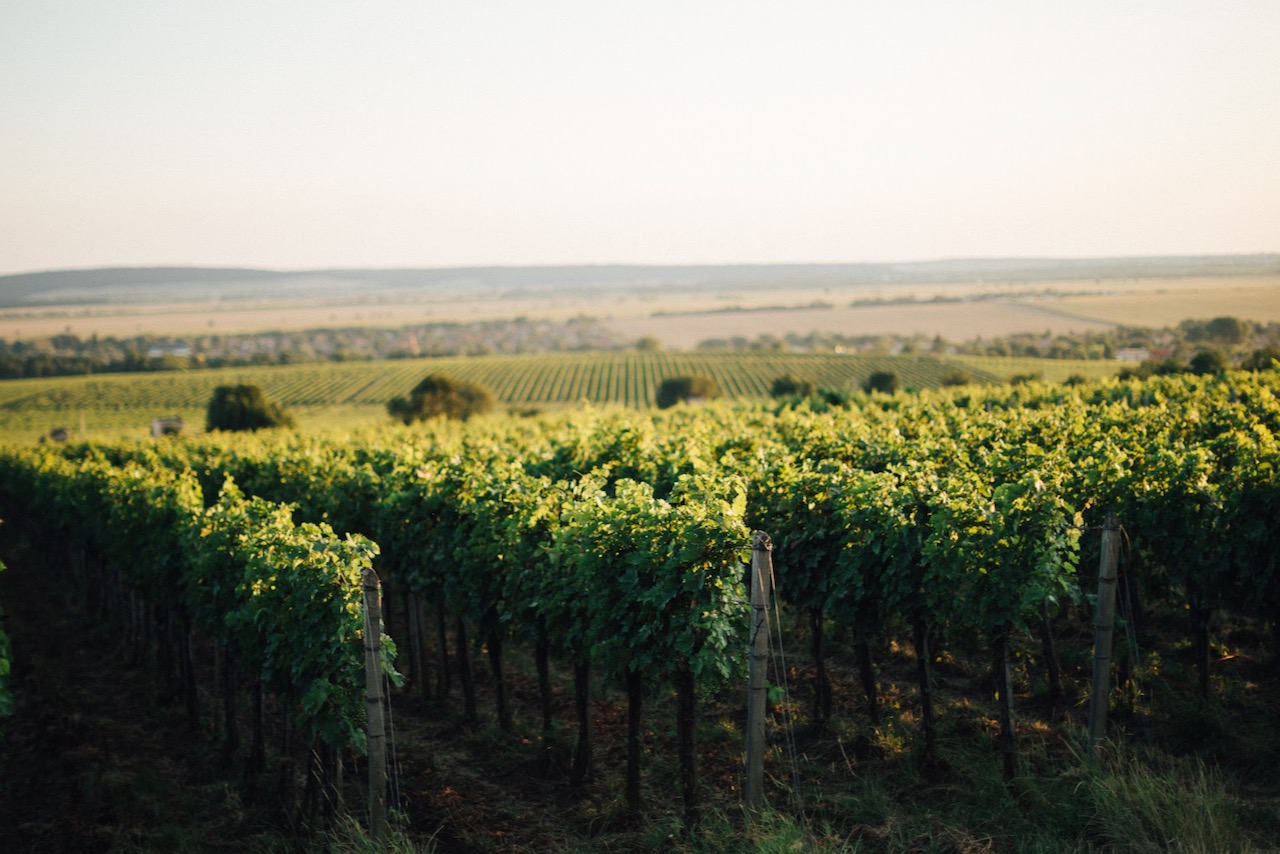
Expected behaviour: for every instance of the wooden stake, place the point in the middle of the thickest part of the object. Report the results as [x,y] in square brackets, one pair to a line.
[1104,629]
[757,680]
[376,727]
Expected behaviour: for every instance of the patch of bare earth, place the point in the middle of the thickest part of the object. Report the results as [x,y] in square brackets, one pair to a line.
[90,761]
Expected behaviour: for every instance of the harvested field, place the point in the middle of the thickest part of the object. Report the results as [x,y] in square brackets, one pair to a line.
[954,321]
[683,317]
[1168,303]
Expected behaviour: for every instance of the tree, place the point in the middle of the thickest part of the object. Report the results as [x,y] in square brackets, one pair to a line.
[885,381]
[1221,330]
[1262,360]
[1211,361]
[1153,368]
[790,386]
[685,389]
[439,395]
[244,407]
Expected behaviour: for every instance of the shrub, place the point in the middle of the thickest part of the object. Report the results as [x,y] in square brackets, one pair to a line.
[244,407]
[957,377]
[1023,379]
[441,396]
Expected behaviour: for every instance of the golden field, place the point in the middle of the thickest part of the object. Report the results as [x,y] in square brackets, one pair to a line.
[681,319]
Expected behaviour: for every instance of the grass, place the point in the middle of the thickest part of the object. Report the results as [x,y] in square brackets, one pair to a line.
[1144,801]
[853,788]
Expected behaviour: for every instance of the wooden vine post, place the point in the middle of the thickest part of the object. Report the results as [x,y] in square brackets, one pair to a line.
[376,731]
[757,680]
[1104,629]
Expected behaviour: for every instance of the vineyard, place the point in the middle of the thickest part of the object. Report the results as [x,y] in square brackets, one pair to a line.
[356,392]
[936,560]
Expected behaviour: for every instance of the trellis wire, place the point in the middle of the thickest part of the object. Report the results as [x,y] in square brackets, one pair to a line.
[779,663]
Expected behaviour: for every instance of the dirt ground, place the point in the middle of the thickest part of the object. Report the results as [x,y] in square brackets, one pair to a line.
[90,762]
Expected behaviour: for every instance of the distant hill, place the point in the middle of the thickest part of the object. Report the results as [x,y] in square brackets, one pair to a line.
[136,285]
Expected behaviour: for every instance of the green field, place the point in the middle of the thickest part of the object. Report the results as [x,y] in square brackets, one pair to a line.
[350,394]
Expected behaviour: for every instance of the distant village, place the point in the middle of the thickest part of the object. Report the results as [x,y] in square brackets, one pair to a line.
[72,355]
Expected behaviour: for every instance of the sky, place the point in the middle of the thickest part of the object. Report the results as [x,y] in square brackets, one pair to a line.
[302,135]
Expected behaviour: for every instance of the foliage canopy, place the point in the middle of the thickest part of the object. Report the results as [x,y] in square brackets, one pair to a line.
[439,395]
[882,381]
[685,389]
[244,407]
[788,385]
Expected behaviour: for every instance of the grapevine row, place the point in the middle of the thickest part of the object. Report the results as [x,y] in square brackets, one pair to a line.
[279,602]
[615,541]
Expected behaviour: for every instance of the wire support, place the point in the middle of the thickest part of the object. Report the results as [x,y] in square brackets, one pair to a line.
[388,724]
[779,664]
[391,744]
[1132,647]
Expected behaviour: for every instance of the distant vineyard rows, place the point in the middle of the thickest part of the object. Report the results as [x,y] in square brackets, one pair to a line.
[628,379]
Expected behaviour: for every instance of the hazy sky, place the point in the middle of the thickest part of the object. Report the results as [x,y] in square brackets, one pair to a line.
[322,133]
